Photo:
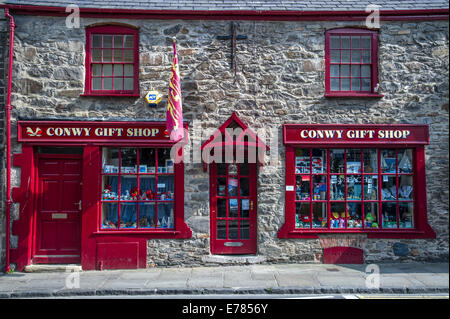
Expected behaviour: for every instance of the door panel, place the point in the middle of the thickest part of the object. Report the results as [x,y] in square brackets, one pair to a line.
[58,230]
[233,208]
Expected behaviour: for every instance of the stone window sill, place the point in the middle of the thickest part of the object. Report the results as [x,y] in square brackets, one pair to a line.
[354,95]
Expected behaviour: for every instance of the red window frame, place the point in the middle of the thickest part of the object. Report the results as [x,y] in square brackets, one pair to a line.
[112,30]
[178,192]
[297,136]
[351,32]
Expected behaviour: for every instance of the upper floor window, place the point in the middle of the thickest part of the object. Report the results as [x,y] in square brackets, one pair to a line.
[112,61]
[351,63]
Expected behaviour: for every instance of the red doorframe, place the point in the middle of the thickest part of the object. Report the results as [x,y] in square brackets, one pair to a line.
[57,217]
[242,241]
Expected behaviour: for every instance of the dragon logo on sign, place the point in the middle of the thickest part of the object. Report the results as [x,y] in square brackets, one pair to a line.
[37,132]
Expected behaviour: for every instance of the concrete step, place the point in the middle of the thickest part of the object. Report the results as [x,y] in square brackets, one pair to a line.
[234,259]
[53,268]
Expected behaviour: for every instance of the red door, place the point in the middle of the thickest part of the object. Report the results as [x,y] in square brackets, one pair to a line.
[233,208]
[58,220]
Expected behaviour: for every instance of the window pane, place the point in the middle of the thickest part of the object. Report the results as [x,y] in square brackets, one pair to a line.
[110,190]
[389,214]
[165,215]
[334,70]
[365,42]
[244,186]
[128,84]
[320,187]
[128,215]
[356,71]
[245,208]
[320,218]
[128,69]
[221,229]
[129,160]
[406,213]
[354,187]
[365,85]
[118,69]
[221,207]
[302,215]
[345,56]
[365,70]
[107,55]
[356,84]
[388,187]
[345,42]
[337,189]
[244,168]
[110,160]
[371,215]
[96,41]
[107,69]
[405,187]
[303,187]
[405,161]
[147,158]
[128,56]
[302,161]
[118,55]
[107,83]
[96,83]
[96,55]
[233,229]
[345,70]
[163,159]
[356,56]
[370,161]
[96,69]
[221,169]
[366,56]
[388,161]
[355,42]
[221,186]
[370,187]
[107,41]
[354,213]
[345,84]
[337,160]
[337,215]
[165,187]
[118,83]
[147,215]
[118,41]
[334,84]
[110,215]
[233,208]
[128,41]
[334,42]
[147,185]
[319,161]
[245,229]
[335,56]
[128,188]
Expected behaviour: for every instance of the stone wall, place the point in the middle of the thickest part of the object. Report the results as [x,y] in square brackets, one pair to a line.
[280,79]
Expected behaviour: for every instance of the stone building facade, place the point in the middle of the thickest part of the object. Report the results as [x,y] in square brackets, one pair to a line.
[279,79]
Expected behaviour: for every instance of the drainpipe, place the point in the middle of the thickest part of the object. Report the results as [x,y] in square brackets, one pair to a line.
[8,200]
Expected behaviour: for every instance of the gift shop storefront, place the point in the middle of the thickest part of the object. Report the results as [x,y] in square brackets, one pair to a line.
[357,179]
[93,192]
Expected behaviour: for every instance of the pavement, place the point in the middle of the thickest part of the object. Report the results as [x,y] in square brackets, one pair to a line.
[260,279]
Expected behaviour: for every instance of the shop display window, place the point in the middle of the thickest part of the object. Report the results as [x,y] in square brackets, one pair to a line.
[354,188]
[137,188]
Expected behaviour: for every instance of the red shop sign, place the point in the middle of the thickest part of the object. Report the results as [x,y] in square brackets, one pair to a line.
[79,131]
[332,134]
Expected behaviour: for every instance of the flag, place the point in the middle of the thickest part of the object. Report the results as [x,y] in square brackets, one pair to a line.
[174,113]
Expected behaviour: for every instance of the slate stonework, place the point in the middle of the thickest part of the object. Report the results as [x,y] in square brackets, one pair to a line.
[280,79]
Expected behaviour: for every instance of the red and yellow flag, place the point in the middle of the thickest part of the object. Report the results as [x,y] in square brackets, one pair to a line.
[174,113]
